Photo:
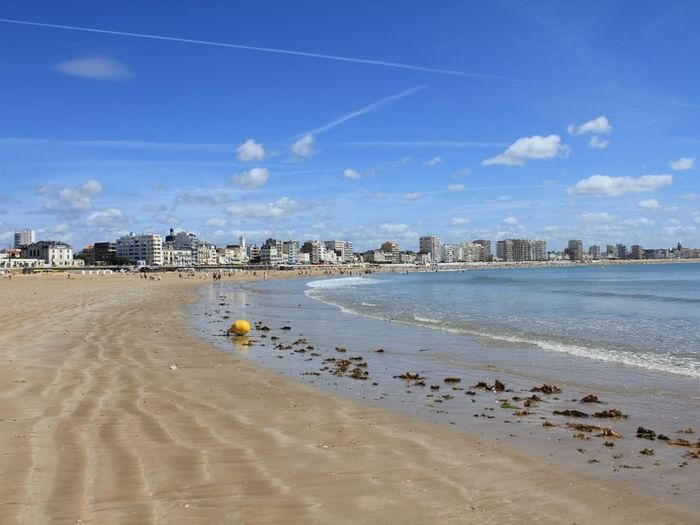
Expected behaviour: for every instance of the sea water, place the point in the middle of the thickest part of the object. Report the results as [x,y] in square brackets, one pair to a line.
[628,334]
[644,316]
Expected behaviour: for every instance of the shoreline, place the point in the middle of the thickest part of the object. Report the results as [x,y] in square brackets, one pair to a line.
[112,411]
[247,271]
[500,416]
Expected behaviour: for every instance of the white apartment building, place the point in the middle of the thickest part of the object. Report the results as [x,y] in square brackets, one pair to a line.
[318,252]
[174,257]
[52,253]
[233,254]
[206,255]
[342,249]
[145,247]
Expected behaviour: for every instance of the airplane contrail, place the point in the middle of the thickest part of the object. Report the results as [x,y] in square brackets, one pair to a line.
[364,110]
[384,63]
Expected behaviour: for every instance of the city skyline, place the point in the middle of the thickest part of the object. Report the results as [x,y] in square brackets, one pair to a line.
[228,123]
[516,248]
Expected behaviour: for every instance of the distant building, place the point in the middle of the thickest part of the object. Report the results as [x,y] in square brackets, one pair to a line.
[104,252]
[290,252]
[521,250]
[394,249]
[203,253]
[486,254]
[318,252]
[253,253]
[541,251]
[407,258]
[621,251]
[52,253]
[146,248]
[450,253]
[575,250]
[24,237]
[636,252]
[594,252]
[378,257]
[233,253]
[431,244]
[504,250]
[342,250]
[269,254]
[176,258]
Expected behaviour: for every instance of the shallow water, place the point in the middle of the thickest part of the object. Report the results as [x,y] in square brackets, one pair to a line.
[651,397]
[640,315]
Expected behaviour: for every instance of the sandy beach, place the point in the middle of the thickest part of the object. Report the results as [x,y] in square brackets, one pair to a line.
[113,412]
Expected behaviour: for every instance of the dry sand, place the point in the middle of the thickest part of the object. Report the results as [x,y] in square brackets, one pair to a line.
[95,427]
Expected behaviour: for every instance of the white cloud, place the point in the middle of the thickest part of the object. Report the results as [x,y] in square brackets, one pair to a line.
[685,163]
[697,219]
[455,187]
[641,221]
[270,210]
[607,186]
[253,178]
[195,197]
[96,68]
[511,221]
[459,221]
[215,222]
[412,196]
[105,218]
[166,218]
[596,217]
[535,147]
[78,198]
[393,228]
[250,151]
[649,204]
[678,230]
[304,147]
[690,196]
[464,172]
[597,125]
[433,162]
[351,174]
[597,143]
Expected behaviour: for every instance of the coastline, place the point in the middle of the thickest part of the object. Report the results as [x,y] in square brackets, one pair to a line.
[653,399]
[113,411]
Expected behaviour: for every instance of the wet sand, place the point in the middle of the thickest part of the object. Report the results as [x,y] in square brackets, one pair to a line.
[112,412]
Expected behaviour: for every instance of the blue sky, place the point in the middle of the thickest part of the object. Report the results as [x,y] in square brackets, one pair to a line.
[362,120]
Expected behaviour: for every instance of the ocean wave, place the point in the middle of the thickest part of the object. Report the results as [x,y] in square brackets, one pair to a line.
[626,295]
[678,365]
[342,282]
[426,320]
[654,362]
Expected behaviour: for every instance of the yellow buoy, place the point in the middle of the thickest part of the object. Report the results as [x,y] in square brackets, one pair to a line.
[240,327]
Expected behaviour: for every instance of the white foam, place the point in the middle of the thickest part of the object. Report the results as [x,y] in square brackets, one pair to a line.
[342,282]
[426,320]
[662,363]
